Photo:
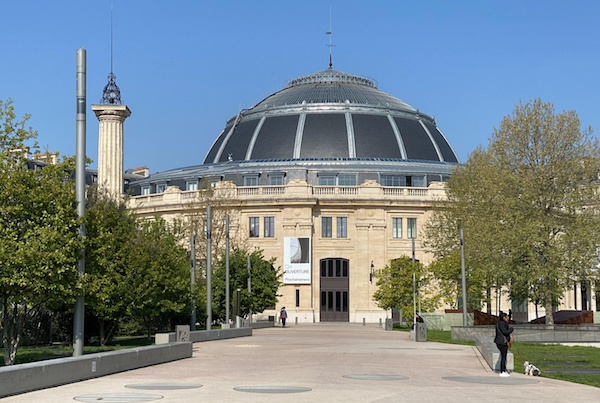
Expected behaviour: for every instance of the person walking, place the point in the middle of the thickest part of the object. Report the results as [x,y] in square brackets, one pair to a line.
[283,316]
[502,341]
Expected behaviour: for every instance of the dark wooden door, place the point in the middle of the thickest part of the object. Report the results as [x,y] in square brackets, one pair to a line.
[334,290]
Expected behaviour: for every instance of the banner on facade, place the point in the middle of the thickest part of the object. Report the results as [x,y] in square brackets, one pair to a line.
[296,261]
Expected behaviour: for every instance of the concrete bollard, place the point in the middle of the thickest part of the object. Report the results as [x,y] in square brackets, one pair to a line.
[296,320]
[364,321]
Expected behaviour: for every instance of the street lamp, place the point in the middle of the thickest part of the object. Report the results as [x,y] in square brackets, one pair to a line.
[371,275]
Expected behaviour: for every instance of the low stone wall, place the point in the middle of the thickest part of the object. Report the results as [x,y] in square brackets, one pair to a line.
[490,353]
[445,321]
[22,378]
[262,324]
[534,333]
[197,336]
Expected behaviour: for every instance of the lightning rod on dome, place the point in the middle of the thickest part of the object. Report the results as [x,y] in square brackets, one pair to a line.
[331,45]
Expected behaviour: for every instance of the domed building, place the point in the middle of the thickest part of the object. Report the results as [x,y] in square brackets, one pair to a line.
[331,176]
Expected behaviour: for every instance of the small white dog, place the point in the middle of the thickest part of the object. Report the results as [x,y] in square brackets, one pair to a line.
[531,369]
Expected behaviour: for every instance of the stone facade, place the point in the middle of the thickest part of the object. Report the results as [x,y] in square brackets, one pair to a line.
[298,209]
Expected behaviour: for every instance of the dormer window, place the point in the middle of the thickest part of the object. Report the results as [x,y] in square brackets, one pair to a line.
[250,180]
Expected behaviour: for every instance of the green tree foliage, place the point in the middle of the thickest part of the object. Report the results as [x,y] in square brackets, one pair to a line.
[265,281]
[110,227]
[134,269]
[160,274]
[38,233]
[528,205]
[395,287]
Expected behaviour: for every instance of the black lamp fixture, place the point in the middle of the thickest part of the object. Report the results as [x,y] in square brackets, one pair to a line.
[371,275]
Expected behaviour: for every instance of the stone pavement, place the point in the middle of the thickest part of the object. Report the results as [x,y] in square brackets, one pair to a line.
[319,363]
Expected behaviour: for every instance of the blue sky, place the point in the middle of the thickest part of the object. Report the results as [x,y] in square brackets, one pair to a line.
[185,67]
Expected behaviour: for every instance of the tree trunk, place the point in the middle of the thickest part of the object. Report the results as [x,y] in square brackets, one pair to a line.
[11,335]
[101,331]
[549,308]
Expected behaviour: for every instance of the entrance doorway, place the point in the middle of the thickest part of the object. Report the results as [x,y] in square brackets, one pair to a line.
[334,290]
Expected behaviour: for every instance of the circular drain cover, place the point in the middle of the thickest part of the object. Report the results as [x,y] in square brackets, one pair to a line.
[491,380]
[376,377]
[272,389]
[118,397]
[163,386]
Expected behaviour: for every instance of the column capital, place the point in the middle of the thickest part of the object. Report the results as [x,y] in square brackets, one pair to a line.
[108,111]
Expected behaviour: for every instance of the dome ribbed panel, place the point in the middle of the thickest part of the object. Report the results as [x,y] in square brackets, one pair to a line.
[324,136]
[374,137]
[447,152]
[276,138]
[215,148]
[416,141]
[237,145]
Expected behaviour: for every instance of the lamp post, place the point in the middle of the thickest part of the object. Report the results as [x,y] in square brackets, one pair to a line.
[371,275]
[464,277]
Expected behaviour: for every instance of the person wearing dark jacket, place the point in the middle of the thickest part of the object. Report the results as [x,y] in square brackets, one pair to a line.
[503,332]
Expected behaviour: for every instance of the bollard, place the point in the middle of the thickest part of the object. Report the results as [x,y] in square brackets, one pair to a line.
[379,321]
[364,320]
[296,320]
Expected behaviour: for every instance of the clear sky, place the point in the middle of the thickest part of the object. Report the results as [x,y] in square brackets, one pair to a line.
[185,67]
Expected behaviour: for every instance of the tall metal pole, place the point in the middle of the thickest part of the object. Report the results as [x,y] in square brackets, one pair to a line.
[464,277]
[414,287]
[79,315]
[227,267]
[193,279]
[249,291]
[208,268]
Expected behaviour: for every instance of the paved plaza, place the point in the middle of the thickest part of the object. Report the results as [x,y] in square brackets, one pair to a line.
[319,363]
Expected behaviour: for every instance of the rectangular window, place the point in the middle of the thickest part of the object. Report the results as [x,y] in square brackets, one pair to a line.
[161,188]
[297,298]
[338,268]
[346,180]
[191,185]
[330,301]
[326,227]
[145,190]
[254,227]
[419,181]
[397,227]
[330,267]
[323,268]
[251,180]
[269,227]
[342,230]
[326,180]
[345,301]
[276,180]
[411,228]
[344,268]
[338,301]
[392,180]
[323,300]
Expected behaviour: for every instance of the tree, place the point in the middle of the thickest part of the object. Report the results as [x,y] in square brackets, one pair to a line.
[528,205]
[159,271]
[39,245]
[265,282]
[110,227]
[395,287]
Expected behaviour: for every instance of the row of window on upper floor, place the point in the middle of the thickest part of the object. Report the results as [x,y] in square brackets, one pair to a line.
[327,227]
[323,180]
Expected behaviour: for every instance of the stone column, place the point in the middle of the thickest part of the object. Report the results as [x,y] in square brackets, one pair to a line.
[110,147]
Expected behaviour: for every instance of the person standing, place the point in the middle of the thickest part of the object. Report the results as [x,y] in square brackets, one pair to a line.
[502,338]
[283,316]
